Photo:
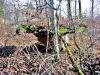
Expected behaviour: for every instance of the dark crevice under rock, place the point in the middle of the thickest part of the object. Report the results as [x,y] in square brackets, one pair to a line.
[37,47]
[6,50]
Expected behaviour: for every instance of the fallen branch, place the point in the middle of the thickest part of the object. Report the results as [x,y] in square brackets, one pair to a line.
[72,58]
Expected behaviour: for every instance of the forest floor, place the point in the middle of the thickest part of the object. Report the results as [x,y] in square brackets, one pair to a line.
[21,63]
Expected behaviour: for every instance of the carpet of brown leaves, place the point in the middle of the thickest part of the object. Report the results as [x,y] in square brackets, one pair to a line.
[20,63]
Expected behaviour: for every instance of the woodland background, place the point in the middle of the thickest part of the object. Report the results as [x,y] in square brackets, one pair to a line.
[24,51]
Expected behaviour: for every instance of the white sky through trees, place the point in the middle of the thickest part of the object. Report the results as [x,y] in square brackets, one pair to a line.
[86,6]
[85,3]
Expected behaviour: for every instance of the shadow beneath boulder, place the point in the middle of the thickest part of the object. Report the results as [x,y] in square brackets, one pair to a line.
[37,47]
[5,51]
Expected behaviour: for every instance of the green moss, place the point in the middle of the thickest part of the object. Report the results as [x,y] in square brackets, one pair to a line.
[62,30]
[76,67]
[28,29]
[1,10]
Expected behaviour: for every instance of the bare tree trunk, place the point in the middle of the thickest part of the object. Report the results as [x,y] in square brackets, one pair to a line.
[69,10]
[39,2]
[80,9]
[71,57]
[51,13]
[75,8]
[54,20]
[36,5]
[56,43]
[60,13]
[92,9]
[93,26]
[45,7]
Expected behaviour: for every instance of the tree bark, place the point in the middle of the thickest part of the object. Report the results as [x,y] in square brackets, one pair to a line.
[79,71]
[80,9]
[75,8]
[36,5]
[54,22]
[69,10]
[92,9]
